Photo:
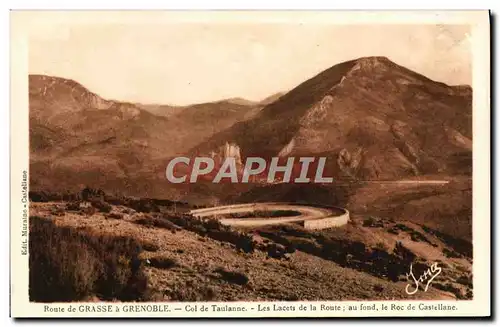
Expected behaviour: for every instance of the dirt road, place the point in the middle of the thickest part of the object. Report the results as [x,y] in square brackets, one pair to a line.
[325,216]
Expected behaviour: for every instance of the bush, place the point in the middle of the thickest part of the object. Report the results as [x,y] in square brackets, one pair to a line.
[58,211]
[232,277]
[373,222]
[215,230]
[89,211]
[43,196]
[403,228]
[150,221]
[380,246]
[393,230]
[465,280]
[150,246]
[91,193]
[128,211]
[73,206]
[163,263]
[277,251]
[38,196]
[451,253]
[101,205]
[449,287]
[114,215]
[191,293]
[404,253]
[66,264]
[143,205]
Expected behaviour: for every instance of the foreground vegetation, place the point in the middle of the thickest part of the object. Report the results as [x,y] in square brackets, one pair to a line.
[66,264]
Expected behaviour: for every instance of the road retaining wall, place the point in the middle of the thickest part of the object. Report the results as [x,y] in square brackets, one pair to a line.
[337,217]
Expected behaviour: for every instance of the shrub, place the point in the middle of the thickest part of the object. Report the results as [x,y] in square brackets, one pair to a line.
[58,211]
[114,215]
[150,246]
[232,277]
[68,264]
[143,205]
[403,252]
[465,280]
[417,237]
[38,196]
[381,246]
[163,262]
[393,230]
[101,205]
[404,228]
[215,230]
[191,293]
[89,211]
[73,206]
[213,224]
[449,287]
[460,247]
[91,193]
[451,253]
[372,222]
[128,211]
[277,251]
[150,221]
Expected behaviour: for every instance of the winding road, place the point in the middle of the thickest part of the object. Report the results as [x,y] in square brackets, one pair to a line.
[311,216]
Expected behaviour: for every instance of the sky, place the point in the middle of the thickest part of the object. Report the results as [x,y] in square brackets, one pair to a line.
[186,63]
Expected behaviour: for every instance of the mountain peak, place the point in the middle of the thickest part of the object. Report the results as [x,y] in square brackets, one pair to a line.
[40,82]
[373,64]
[374,60]
[377,66]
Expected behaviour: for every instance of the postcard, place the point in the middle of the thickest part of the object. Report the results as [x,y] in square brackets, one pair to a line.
[250,164]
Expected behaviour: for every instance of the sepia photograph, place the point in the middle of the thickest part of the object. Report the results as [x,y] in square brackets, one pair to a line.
[246,163]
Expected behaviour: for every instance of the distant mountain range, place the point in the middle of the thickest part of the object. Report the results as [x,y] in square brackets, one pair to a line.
[372,118]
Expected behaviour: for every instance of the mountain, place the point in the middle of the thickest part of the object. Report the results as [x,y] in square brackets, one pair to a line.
[372,118]
[271,98]
[261,103]
[77,137]
[241,101]
[231,105]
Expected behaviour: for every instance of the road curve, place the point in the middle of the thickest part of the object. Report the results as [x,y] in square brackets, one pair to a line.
[311,216]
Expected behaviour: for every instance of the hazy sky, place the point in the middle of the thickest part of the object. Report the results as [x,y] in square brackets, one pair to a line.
[190,63]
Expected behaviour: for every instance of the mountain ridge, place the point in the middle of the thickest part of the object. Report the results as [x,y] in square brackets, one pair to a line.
[371,118]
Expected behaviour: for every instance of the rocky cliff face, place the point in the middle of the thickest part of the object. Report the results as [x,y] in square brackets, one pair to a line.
[228,150]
